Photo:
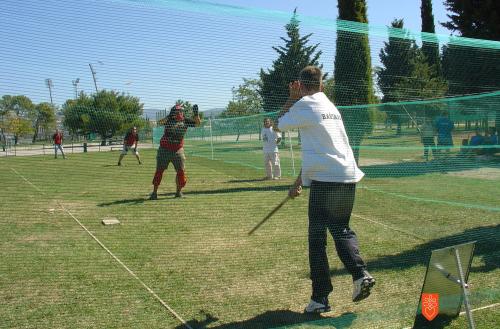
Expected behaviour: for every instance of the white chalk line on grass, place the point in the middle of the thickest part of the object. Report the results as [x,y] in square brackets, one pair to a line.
[111,254]
[449,203]
[391,227]
[474,310]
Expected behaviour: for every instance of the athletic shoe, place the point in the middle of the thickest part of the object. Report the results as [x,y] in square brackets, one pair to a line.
[119,164]
[179,194]
[318,307]
[153,196]
[362,287]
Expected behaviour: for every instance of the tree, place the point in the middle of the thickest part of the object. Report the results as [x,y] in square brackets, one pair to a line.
[472,69]
[479,19]
[406,74]
[353,72]
[430,48]
[104,113]
[16,112]
[398,62]
[421,84]
[246,99]
[293,57]
[43,117]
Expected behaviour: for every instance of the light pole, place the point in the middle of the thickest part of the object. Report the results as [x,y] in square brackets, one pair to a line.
[93,76]
[49,84]
[75,84]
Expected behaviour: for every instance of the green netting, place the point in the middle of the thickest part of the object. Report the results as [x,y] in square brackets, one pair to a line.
[190,262]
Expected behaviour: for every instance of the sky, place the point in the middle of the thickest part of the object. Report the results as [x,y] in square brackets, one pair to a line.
[164,50]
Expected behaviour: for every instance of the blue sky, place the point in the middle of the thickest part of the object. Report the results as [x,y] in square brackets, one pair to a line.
[161,50]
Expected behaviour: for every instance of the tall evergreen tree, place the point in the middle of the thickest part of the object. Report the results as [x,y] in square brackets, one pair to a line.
[398,61]
[430,45]
[479,19]
[353,71]
[293,57]
[472,69]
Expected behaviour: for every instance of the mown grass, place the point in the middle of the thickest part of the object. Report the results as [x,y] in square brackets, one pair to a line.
[196,255]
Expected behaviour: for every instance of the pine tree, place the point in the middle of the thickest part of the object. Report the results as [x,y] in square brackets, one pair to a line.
[398,61]
[353,72]
[293,57]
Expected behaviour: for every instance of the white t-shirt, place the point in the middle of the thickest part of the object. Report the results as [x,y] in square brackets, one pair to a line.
[269,139]
[326,153]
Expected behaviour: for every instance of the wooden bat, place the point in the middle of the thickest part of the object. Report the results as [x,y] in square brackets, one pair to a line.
[270,214]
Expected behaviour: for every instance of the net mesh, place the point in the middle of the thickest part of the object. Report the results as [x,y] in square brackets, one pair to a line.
[189,262]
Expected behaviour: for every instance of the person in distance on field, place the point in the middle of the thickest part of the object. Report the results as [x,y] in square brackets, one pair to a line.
[130,143]
[330,169]
[58,143]
[270,141]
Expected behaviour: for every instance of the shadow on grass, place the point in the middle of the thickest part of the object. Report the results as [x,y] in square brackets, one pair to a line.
[125,201]
[247,180]
[274,319]
[414,168]
[276,188]
[267,188]
[487,248]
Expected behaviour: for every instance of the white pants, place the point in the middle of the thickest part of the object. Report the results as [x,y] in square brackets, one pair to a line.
[272,164]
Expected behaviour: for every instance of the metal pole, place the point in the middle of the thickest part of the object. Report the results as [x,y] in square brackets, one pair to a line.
[75,84]
[465,292]
[211,138]
[291,152]
[93,76]
[49,84]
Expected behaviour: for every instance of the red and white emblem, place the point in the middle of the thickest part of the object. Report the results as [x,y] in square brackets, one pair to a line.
[430,306]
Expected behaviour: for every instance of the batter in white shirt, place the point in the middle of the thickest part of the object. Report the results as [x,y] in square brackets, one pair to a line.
[329,168]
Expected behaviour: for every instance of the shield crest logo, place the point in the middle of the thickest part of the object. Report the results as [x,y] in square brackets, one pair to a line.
[430,306]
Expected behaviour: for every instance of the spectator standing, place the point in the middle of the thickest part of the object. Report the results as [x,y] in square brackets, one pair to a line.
[58,143]
[271,139]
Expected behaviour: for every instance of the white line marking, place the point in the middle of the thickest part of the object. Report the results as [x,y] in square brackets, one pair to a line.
[391,227]
[112,255]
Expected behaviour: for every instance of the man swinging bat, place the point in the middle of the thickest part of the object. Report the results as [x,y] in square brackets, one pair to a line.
[171,147]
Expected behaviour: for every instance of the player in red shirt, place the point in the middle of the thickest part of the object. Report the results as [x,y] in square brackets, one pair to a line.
[58,139]
[171,147]
[130,143]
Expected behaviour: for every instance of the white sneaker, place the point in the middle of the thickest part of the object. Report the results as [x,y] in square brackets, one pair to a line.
[362,287]
[315,307]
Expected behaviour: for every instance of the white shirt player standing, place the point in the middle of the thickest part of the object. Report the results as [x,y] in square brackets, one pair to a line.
[270,140]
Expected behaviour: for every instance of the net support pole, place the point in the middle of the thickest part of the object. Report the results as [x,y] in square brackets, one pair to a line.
[465,292]
[211,137]
[291,152]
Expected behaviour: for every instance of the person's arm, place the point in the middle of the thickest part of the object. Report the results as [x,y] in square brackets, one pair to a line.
[293,96]
[296,188]
[287,118]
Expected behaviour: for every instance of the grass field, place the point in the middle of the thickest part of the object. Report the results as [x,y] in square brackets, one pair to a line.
[62,268]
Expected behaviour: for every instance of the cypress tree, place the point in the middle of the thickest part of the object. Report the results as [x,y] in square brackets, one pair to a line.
[353,72]
[430,48]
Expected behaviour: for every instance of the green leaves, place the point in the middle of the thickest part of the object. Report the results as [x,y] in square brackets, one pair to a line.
[105,113]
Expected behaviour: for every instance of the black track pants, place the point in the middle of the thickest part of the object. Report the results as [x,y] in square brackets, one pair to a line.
[330,207]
